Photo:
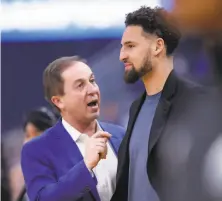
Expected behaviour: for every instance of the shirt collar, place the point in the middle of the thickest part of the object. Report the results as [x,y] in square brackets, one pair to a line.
[75,134]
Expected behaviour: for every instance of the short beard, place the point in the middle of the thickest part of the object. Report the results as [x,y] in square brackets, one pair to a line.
[131,76]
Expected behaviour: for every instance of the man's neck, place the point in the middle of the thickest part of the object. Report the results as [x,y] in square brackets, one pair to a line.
[88,128]
[155,80]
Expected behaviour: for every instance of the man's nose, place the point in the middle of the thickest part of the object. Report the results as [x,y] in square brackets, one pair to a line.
[92,88]
[123,56]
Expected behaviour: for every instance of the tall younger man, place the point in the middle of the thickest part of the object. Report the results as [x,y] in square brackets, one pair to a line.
[172,126]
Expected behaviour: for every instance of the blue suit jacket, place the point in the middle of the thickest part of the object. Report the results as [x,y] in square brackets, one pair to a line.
[54,169]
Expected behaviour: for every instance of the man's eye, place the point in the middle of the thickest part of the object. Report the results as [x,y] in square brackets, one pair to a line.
[80,85]
[92,80]
[131,46]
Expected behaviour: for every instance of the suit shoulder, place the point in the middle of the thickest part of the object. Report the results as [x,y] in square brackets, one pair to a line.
[192,85]
[111,126]
[199,94]
[38,143]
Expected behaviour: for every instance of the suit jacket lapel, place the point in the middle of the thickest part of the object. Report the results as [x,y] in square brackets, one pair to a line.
[134,113]
[70,149]
[159,121]
[123,164]
[66,144]
[114,141]
[163,110]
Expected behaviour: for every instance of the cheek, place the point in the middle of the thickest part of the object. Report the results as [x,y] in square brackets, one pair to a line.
[137,62]
[136,56]
[29,135]
[75,100]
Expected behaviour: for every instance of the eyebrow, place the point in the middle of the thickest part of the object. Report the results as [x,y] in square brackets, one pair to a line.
[81,79]
[77,81]
[127,43]
[92,75]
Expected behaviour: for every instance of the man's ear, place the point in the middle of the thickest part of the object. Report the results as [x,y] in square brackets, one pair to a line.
[159,46]
[57,101]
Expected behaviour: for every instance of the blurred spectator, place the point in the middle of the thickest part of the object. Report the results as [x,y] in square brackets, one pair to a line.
[201,19]
[5,192]
[35,123]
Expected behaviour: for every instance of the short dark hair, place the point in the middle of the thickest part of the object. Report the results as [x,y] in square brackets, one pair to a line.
[153,22]
[41,118]
[52,80]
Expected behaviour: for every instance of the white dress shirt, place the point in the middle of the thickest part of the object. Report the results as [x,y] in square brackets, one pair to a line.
[105,171]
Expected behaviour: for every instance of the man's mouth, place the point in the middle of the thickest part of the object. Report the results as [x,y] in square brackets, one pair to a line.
[127,65]
[93,103]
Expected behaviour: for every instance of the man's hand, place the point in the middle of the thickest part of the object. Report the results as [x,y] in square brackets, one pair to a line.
[96,149]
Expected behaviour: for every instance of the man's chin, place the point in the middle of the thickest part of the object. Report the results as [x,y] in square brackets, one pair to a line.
[130,80]
[131,76]
[94,116]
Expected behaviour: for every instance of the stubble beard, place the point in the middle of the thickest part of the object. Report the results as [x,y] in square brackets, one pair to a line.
[131,76]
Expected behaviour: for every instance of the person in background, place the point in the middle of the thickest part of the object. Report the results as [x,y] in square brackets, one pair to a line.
[35,123]
[5,190]
[77,158]
[201,20]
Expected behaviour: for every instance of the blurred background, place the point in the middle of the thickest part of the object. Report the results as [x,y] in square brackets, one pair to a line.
[36,32]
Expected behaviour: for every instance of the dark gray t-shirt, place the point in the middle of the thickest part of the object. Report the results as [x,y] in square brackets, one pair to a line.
[139,187]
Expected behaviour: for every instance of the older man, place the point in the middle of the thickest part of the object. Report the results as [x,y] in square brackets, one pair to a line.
[75,159]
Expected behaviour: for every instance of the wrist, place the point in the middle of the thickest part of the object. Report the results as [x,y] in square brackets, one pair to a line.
[88,165]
